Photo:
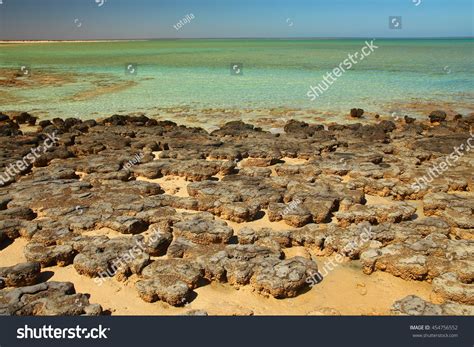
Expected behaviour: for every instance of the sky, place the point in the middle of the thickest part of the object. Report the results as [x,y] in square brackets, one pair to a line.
[145,19]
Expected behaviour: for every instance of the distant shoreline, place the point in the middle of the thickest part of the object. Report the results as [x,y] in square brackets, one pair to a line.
[64,41]
[235,38]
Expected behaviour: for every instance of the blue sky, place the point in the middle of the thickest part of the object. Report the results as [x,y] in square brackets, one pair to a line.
[125,19]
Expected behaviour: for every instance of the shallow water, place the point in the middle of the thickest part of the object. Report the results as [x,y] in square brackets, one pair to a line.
[196,73]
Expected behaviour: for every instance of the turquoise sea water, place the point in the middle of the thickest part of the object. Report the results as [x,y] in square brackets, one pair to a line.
[196,73]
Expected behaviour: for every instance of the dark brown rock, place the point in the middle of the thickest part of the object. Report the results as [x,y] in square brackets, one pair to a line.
[21,275]
[356,112]
[46,299]
[437,116]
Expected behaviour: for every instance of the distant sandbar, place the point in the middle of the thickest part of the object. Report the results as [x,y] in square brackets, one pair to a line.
[63,41]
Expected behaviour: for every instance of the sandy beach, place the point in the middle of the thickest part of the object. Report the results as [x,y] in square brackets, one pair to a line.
[346,292]
[229,213]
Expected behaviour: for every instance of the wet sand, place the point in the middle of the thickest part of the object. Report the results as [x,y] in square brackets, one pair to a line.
[345,291]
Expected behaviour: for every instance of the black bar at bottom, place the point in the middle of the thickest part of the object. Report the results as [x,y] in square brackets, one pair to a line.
[237,331]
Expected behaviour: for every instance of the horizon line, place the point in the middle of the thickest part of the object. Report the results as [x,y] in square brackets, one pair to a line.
[240,38]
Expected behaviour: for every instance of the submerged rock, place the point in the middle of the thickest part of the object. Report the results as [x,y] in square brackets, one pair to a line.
[437,116]
[356,112]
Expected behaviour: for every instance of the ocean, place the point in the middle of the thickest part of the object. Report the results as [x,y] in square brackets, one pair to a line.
[91,79]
